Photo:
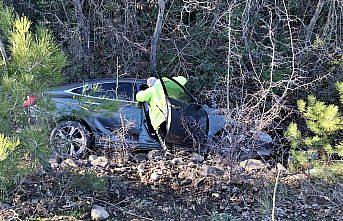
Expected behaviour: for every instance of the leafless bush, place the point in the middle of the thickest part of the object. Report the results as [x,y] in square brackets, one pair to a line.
[117,144]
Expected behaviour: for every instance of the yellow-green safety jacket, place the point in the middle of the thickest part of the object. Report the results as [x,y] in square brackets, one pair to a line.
[156,98]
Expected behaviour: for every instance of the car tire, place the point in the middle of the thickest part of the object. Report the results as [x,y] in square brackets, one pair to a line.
[70,138]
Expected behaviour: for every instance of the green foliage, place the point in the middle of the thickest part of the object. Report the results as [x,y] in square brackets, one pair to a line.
[35,64]
[6,20]
[35,58]
[7,146]
[339,86]
[328,171]
[320,118]
[318,144]
[215,216]
[88,182]
[293,134]
[339,148]
[338,61]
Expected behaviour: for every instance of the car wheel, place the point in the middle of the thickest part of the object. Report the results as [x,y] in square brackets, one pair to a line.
[70,138]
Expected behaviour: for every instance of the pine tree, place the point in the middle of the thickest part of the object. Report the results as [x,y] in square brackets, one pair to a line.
[323,123]
[7,145]
[339,86]
[35,64]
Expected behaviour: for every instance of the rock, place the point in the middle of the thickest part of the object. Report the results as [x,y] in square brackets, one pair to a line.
[55,160]
[264,152]
[252,164]
[281,167]
[199,182]
[176,161]
[99,213]
[154,153]
[203,170]
[53,163]
[191,164]
[185,175]
[296,177]
[139,157]
[313,171]
[197,158]
[168,155]
[182,175]
[155,176]
[216,195]
[69,163]
[211,170]
[98,161]
[92,157]
[158,158]
[214,170]
[264,137]
[186,181]
[141,167]
[4,206]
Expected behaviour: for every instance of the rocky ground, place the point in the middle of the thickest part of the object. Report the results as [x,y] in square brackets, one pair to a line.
[170,186]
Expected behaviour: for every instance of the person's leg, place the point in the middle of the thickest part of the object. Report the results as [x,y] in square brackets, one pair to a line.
[161,134]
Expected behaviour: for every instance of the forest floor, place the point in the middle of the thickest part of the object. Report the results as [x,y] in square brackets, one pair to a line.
[178,186]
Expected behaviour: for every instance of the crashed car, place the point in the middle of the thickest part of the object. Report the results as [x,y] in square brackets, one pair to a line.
[104,112]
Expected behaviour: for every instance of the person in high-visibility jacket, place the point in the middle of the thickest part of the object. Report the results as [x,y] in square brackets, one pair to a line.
[155,96]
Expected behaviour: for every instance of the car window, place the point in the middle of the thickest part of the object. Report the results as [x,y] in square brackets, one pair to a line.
[77,90]
[112,90]
[124,91]
[175,91]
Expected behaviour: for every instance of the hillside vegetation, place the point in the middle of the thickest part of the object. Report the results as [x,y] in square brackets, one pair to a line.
[276,66]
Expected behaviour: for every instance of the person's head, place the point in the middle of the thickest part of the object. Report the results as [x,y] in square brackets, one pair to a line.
[151,81]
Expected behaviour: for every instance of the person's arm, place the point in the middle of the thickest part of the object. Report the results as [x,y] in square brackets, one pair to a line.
[144,96]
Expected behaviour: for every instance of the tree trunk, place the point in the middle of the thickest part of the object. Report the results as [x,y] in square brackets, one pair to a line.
[313,21]
[245,23]
[155,36]
[83,29]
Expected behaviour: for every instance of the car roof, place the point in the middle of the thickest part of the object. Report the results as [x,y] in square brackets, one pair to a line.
[95,81]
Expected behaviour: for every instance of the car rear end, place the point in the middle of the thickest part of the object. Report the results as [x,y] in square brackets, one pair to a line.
[31,108]
[48,103]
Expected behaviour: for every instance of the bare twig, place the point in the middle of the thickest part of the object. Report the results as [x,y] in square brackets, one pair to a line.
[274,194]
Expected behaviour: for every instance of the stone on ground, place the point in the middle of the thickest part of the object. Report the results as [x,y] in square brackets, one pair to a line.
[252,164]
[153,154]
[98,161]
[211,170]
[99,213]
[139,157]
[197,158]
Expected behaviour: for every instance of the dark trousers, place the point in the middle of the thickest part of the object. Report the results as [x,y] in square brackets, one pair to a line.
[161,134]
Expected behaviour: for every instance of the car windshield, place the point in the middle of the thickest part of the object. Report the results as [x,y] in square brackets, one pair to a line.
[176,91]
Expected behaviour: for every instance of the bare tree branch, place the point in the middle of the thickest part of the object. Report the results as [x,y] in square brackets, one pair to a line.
[155,36]
[314,19]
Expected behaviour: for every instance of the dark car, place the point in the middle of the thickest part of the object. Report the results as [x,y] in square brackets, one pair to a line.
[104,112]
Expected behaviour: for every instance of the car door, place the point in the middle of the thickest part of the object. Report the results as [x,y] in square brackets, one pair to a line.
[130,110]
[187,121]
